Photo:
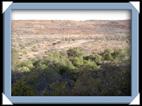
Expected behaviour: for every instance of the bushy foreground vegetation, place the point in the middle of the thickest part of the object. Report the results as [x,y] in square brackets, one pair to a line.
[74,73]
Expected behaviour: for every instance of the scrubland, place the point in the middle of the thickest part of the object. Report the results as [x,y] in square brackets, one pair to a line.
[71,58]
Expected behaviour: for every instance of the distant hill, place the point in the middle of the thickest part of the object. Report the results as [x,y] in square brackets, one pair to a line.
[34,38]
[42,27]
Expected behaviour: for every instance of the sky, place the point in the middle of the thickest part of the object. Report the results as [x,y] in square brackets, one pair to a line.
[71,15]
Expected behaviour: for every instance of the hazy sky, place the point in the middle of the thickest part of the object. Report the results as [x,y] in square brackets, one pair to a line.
[71,15]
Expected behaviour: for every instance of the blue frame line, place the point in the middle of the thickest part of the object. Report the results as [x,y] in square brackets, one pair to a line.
[71,6]
[7,52]
[71,99]
[135,42]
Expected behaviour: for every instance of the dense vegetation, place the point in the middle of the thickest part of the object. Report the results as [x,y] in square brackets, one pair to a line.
[73,73]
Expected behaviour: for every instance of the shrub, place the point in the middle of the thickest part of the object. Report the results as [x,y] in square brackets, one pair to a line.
[25,66]
[65,69]
[52,75]
[60,61]
[90,57]
[40,65]
[89,65]
[95,57]
[21,88]
[73,74]
[75,52]
[23,69]
[77,61]
[98,58]
[107,55]
[59,88]
[66,62]
[86,85]
[121,54]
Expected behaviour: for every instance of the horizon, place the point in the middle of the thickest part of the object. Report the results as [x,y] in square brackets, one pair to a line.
[69,20]
[76,15]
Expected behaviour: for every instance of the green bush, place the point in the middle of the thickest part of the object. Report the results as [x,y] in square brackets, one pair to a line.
[98,58]
[59,60]
[21,88]
[77,61]
[59,88]
[40,64]
[74,73]
[86,85]
[94,57]
[75,52]
[121,55]
[89,65]
[25,66]
[24,69]
[107,55]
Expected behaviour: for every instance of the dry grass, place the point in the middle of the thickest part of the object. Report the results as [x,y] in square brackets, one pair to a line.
[39,37]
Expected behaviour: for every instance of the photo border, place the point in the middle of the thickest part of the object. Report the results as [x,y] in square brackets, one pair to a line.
[72,99]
